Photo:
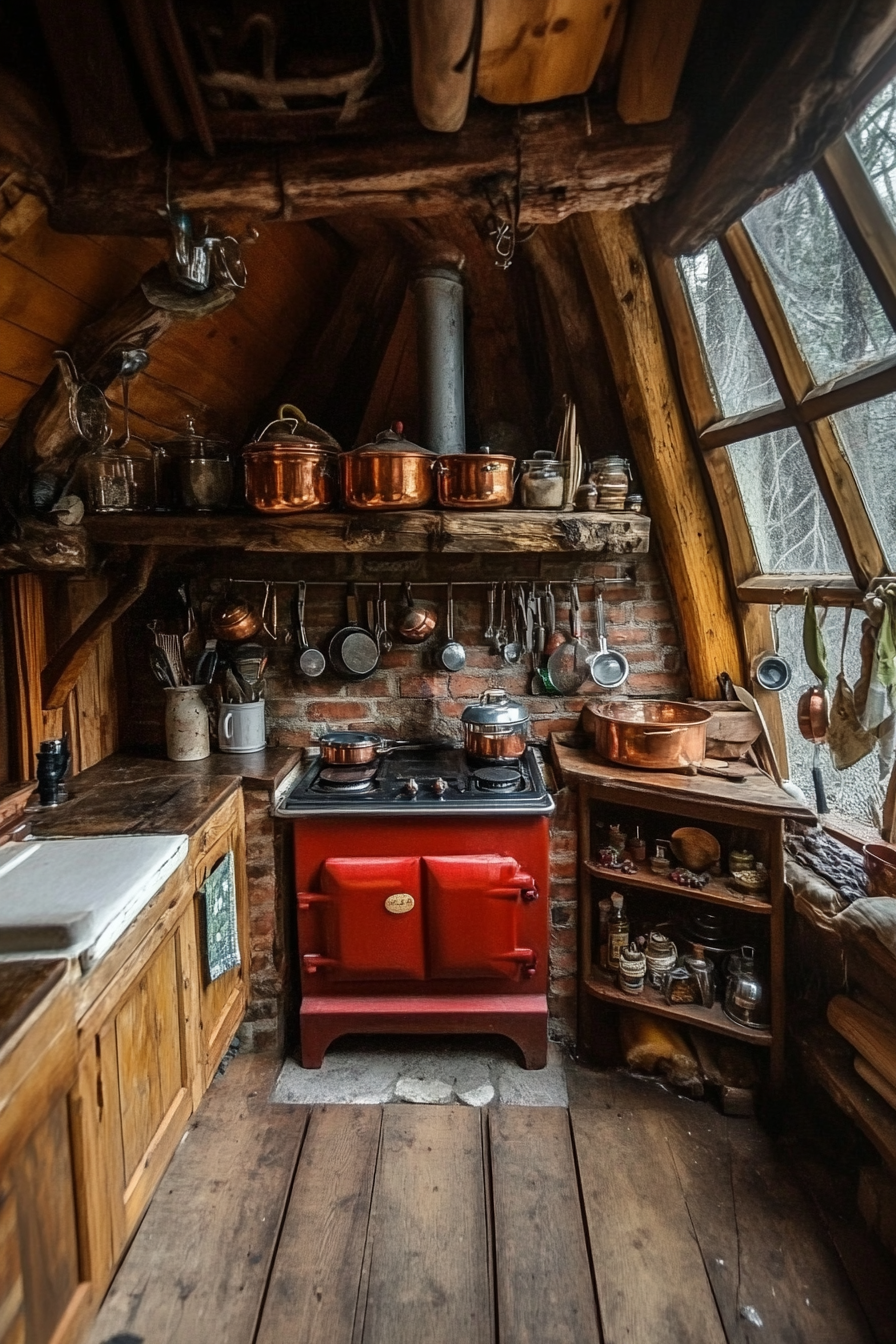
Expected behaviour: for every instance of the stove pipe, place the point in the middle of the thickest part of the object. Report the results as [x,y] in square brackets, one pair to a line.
[439,300]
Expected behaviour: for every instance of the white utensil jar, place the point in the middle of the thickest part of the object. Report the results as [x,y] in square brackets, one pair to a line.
[186,723]
[241,727]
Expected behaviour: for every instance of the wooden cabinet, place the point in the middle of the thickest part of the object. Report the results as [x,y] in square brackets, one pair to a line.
[45,1292]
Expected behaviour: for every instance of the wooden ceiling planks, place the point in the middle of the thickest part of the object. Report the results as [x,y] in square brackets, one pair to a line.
[538,50]
[657,40]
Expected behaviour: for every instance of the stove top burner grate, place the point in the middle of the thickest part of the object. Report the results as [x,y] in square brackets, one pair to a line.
[346,779]
[497,779]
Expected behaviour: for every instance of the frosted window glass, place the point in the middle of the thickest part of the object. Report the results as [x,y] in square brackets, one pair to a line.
[792,529]
[738,369]
[873,137]
[868,434]
[835,316]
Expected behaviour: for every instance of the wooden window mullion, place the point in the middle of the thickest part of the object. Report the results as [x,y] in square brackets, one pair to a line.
[863,218]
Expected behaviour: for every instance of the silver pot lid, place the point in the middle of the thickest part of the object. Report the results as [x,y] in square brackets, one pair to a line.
[393,441]
[350,740]
[495,707]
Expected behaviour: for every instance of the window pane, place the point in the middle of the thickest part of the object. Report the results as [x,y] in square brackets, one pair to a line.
[873,138]
[741,376]
[838,322]
[849,792]
[868,434]
[788,518]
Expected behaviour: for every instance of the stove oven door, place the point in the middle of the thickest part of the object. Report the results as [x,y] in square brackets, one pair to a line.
[473,906]
[365,923]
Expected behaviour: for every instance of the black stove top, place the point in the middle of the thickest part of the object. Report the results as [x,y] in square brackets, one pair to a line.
[431,780]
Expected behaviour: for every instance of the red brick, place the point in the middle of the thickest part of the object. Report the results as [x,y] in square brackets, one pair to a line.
[400,657]
[564,987]
[564,939]
[653,681]
[562,963]
[628,634]
[261,924]
[562,865]
[653,611]
[427,686]
[338,710]
[542,728]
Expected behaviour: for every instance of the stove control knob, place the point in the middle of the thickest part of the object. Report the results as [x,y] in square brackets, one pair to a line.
[439,786]
[411,788]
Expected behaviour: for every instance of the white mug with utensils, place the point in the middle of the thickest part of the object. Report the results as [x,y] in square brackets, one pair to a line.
[241,727]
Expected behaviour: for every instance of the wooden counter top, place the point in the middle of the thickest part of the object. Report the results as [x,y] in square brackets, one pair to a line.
[757,794]
[23,986]
[134,793]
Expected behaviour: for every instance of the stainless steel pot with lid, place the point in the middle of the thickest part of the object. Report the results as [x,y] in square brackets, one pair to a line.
[495,728]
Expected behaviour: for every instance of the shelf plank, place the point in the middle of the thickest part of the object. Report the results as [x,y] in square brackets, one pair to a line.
[601,985]
[828,1058]
[416,530]
[715,891]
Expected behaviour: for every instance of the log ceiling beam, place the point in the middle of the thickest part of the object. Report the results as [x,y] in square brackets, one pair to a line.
[558,161]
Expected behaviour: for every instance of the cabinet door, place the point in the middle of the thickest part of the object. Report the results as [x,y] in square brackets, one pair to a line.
[221,1003]
[365,923]
[472,915]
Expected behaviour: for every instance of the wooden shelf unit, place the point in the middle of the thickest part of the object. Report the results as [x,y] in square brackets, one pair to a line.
[414,530]
[600,984]
[671,799]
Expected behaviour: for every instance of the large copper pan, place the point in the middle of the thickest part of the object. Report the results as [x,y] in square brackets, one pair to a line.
[651,734]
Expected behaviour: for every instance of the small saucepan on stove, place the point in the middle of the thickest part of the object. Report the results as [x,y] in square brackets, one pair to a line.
[495,728]
[346,748]
[353,652]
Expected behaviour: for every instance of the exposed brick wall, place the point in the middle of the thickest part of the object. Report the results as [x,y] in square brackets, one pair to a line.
[409,697]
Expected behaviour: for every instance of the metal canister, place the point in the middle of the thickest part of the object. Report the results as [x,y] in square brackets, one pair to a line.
[632,967]
[661,955]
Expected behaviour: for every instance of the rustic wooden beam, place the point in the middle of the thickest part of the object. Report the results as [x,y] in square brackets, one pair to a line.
[443,59]
[657,38]
[64,668]
[863,218]
[45,547]
[616,271]
[519,531]
[558,160]
[785,124]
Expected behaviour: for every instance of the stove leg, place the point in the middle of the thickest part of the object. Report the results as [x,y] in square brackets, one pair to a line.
[531,1039]
[315,1037]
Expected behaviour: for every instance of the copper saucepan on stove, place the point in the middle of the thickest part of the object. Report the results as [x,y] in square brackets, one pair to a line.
[651,734]
[345,748]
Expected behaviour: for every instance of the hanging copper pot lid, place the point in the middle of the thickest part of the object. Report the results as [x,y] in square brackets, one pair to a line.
[291,430]
[393,441]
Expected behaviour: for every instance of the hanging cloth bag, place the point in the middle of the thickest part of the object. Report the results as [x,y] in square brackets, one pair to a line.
[848,740]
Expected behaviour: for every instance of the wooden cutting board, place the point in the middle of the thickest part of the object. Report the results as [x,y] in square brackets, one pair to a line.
[534,50]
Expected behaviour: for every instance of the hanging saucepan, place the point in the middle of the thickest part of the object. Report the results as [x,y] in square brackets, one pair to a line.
[418,620]
[353,652]
[608,667]
[812,719]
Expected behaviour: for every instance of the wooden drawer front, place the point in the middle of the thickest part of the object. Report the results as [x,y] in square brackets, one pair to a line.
[149,1037]
[42,1185]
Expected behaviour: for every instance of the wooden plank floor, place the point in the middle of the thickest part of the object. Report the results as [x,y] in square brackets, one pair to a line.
[635,1217]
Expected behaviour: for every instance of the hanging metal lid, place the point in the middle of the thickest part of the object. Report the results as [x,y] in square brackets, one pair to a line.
[393,441]
[495,707]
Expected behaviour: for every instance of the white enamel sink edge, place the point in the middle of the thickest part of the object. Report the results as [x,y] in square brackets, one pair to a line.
[75,897]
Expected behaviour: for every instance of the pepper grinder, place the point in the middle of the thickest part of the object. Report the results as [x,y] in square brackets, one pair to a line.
[53,760]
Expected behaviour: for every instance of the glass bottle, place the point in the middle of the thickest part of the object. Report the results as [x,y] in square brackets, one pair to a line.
[604,907]
[617,931]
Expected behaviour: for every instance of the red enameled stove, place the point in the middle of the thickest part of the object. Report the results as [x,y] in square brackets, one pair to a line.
[422,889]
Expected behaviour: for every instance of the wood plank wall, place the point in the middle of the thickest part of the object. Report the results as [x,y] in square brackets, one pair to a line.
[218,370]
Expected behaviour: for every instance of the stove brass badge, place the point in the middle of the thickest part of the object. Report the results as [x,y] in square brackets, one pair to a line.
[400,903]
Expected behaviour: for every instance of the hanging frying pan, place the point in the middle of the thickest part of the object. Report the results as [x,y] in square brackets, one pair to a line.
[609,668]
[353,652]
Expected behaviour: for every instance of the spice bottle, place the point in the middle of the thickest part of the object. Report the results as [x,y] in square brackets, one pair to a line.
[617,931]
[637,847]
[604,906]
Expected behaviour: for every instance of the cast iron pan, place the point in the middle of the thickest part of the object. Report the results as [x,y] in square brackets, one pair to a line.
[353,652]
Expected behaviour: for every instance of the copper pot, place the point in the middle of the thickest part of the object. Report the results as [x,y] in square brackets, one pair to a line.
[651,734]
[812,715]
[495,728]
[291,467]
[391,473]
[232,620]
[476,480]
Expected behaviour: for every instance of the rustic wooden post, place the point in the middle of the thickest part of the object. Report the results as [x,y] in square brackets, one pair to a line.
[617,275]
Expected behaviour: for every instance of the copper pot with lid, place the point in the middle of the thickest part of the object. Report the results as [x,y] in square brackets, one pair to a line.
[482,480]
[291,466]
[391,473]
[495,728]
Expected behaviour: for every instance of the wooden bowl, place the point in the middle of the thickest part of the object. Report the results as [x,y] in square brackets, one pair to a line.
[696,849]
[880,865]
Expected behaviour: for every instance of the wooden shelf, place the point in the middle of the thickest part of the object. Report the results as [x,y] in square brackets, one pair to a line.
[416,530]
[715,891]
[601,985]
[828,1058]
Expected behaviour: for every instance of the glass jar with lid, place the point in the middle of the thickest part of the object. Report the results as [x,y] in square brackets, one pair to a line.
[121,477]
[193,471]
[543,482]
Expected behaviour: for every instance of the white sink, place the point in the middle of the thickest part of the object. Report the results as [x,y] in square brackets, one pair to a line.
[74,898]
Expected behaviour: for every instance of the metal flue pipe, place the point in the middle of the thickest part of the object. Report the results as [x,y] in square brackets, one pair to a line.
[439,300]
